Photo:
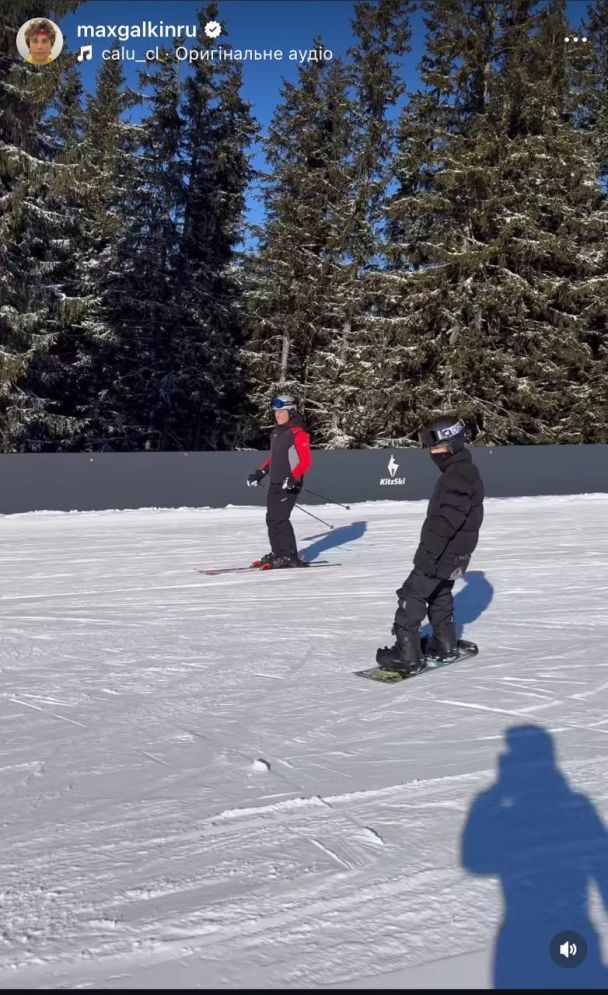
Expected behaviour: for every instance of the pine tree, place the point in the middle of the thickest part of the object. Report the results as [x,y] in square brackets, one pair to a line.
[343,375]
[41,419]
[292,310]
[498,232]
[455,71]
[65,388]
[147,252]
[28,227]
[595,120]
[597,99]
[204,389]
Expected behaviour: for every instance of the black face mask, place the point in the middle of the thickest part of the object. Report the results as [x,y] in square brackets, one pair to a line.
[441,459]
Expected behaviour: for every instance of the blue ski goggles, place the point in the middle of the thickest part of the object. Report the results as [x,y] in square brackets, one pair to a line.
[280,402]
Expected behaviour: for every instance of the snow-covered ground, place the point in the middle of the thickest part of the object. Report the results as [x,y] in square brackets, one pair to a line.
[143,846]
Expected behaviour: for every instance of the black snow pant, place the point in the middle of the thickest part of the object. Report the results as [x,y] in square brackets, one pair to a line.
[280,530]
[421,595]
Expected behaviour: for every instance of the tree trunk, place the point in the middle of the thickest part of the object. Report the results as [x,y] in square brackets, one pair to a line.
[284,358]
[346,330]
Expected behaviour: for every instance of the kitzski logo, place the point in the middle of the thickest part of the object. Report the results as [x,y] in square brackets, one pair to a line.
[392,468]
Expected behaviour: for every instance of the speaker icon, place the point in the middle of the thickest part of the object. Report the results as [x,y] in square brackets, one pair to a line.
[568,949]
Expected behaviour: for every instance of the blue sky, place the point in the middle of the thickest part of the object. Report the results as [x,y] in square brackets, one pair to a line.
[255,24]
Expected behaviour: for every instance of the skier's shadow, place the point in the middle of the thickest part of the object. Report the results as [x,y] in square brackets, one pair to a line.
[546,844]
[337,537]
[470,602]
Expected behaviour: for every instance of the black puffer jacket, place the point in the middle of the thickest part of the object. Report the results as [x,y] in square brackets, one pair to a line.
[453,519]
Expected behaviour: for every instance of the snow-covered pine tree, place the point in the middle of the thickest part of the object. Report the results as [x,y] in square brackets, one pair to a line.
[147,251]
[595,97]
[47,392]
[293,311]
[455,73]
[344,375]
[67,386]
[584,105]
[31,231]
[597,31]
[498,235]
[110,147]
[204,388]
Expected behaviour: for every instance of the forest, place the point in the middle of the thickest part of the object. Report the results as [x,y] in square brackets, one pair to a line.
[444,249]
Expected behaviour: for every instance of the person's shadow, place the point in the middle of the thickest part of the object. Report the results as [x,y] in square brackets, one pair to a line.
[337,537]
[546,844]
[470,602]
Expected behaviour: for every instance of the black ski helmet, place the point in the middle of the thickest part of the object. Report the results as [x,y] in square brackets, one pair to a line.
[449,428]
[284,401]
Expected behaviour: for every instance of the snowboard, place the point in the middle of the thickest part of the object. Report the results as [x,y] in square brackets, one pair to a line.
[466,649]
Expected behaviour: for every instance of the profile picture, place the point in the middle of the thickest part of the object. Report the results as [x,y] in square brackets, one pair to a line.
[39,41]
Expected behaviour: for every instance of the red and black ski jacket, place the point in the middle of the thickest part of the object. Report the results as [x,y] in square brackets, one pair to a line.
[289,452]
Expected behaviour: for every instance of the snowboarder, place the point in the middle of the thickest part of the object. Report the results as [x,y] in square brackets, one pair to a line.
[289,460]
[449,536]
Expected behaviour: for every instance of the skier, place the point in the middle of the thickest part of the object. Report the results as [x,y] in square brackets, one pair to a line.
[289,460]
[449,536]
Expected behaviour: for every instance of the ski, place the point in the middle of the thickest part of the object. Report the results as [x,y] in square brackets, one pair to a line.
[230,570]
[466,650]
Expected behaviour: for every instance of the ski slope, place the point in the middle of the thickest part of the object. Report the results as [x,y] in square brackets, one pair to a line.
[196,791]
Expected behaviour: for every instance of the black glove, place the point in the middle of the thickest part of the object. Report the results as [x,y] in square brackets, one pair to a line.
[255,478]
[291,484]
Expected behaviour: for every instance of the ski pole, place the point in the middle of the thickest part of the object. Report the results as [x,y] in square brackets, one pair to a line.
[322,520]
[314,516]
[331,501]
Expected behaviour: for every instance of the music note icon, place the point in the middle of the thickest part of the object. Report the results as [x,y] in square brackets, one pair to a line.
[86,52]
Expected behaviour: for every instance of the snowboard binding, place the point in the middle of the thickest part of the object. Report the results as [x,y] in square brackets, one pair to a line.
[465,649]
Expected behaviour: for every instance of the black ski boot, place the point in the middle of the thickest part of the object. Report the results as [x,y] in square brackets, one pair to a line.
[284,562]
[279,563]
[405,656]
[266,561]
[443,644]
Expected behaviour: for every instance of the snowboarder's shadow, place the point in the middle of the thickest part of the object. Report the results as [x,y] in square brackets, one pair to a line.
[337,537]
[546,844]
[470,602]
